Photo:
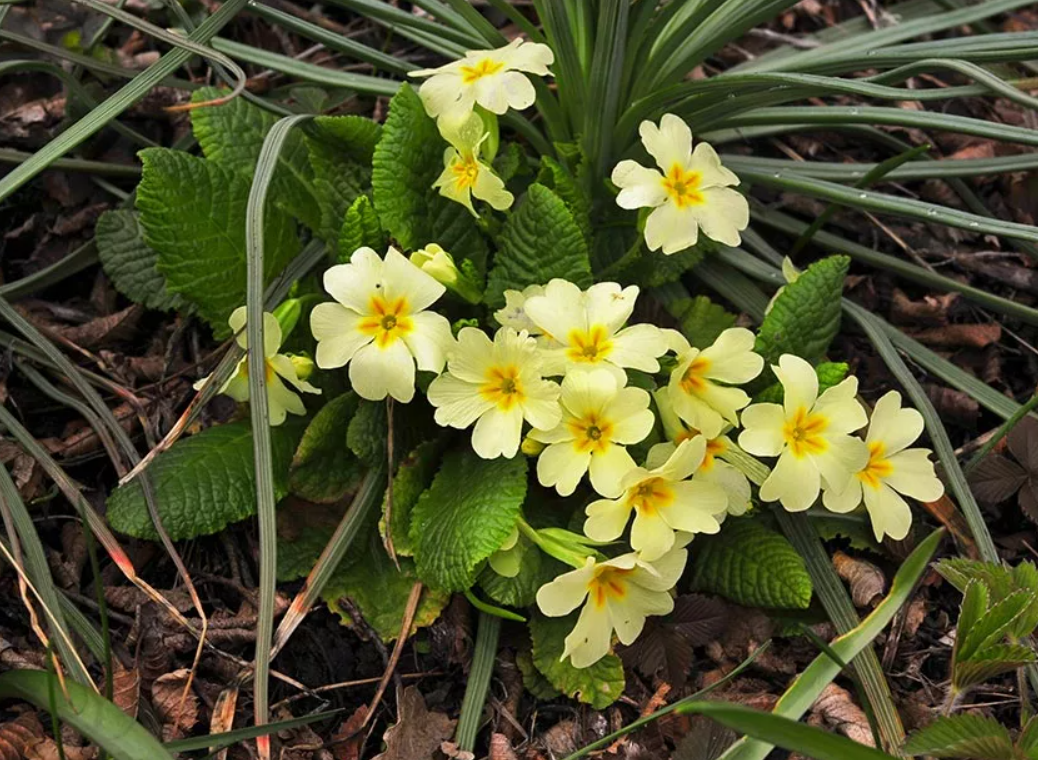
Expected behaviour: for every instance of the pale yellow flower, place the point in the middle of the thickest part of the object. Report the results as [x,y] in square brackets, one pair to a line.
[513,314]
[892,469]
[464,176]
[690,191]
[495,385]
[379,325]
[281,401]
[493,79]
[700,387]
[508,559]
[585,329]
[599,418]
[617,595]
[663,500]
[810,435]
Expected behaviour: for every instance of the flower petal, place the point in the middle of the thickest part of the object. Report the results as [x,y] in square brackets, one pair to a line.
[562,466]
[606,519]
[843,501]
[585,393]
[430,341]
[651,537]
[541,405]
[458,403]
[890,514]
[497,433]
[338,339]
[671,229]
[591,636]
[795,482]
[799,383]
[559,311]
[376,372]
[707,163]
[638,346]
[896,427]
[762,430]
[402,279]
[844,456]
[610,306]
[566,592]
[640,186]
[607,470]
[913,475]
[353,284]
[731,357]
[670,143]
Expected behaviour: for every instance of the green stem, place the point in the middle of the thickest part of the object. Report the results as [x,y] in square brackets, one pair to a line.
[479,681]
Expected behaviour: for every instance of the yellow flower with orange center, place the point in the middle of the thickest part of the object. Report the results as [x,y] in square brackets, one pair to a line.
[891,471]
[496,385]
[464,176]
[809,433]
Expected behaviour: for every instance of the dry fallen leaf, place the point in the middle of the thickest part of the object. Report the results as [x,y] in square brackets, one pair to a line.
[18,734]
[501,748]
[178,714]
[866,580]
[960,335]
[418,733]
[838,710]
[126,689]
[222,719]
[348,741]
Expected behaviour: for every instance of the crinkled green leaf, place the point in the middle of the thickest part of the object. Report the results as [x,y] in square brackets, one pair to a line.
[598,685]
[340,150]
[380,591]
[368,433]
[232,134]
[539,241]
[360,228]
[805,316]
[203,483]
[558,178]
[130,262]
[700,319]
[534,682]
[465,516]
[652,269]
[535,569]
[413,476]
[965,736]
[406,162]
[510,161]
[193,216]
[323,468]
[752,565]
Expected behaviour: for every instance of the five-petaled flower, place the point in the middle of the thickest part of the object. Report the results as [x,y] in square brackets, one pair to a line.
[617,594]
[663,500]
[585,329]
[892,469]
[810,435]
[496,385]
[464,175]
[493,79]
[379,325]
[513,313]
[281,401]
[695,388]
[690,191]
[599,417]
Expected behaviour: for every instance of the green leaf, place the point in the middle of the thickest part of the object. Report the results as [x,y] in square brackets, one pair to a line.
[534,682]
[993,626]
[304,529]
[323,468]
[340,149]
[539,241]
[974,605]
[535,569]
[406,162]
[752,565]
[651,268]
[805,316]
[598,685]
[413,476]
[556,177]
[193,215]
[965,736]
[360,227]
[203,483]
[129,261]
[700,320]
[465,516]
[232,135]
[993,661]
[86,711]
[380,591]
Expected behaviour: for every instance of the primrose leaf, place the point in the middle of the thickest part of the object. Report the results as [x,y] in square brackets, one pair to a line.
[652,269]
[963,736]
[130,262]
[465,516]
[805,316]
[598,685]
[232,134]
[556,177]
[539,241]
[701,320]
[360,228]
[193,216]
[535,569]
[412,477]
[323,468]
[406,162]
[203,483]
[751,565]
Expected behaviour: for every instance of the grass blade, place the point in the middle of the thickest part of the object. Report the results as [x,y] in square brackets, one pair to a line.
[913,170]
[478,684]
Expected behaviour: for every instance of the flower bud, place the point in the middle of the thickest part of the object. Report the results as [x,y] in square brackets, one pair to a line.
[532,448]
[439,264]
[303,365]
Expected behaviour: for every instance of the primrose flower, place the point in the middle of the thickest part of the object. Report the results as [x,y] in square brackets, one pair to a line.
[599,417]
[892,469]
[585,329]
[514,312]
[493,79]
[464,175]
[810,435]
[713,468]
[617,594]
[663,500]
[281,401]
[379,325]
[691,190]
[695,389]
[496,385]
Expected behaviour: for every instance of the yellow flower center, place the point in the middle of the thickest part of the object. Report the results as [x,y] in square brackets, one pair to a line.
[503,387]
[694,382]
[268,372]
[650,495]
[683,186]
[804,433]
[714,449]
[607,583]
[589,346]
[483,68]
[591,434]
[878,466]
[387,321]
[466,172]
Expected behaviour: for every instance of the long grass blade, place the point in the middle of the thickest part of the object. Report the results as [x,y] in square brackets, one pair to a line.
[913,170]
[478,685]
